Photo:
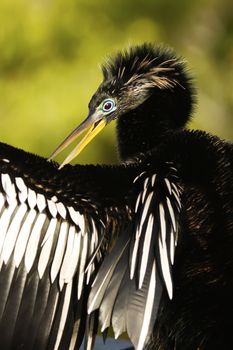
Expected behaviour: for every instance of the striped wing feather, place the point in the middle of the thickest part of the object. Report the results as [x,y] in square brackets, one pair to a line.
[129,284]
[51,290]
[45,247]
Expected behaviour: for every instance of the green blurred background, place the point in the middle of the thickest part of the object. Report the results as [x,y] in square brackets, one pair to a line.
[50,51]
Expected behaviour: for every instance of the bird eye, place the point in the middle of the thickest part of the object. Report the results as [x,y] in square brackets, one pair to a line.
[108,105]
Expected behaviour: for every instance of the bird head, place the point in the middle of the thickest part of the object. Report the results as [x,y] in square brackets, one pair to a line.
[144,85]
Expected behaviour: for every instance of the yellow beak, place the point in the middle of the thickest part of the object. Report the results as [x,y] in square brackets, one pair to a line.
[95,122]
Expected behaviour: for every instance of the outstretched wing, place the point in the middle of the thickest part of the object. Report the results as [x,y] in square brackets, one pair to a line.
[49,252]
[58,227]
[129,284]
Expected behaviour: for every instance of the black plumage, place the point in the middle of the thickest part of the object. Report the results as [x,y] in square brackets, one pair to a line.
[144,246]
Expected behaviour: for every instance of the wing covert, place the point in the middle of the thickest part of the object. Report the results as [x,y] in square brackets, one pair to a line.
[130,282]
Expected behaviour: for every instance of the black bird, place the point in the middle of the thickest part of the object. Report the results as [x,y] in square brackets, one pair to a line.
[144,247]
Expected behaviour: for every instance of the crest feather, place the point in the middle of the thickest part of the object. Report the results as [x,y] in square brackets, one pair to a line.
[147,65]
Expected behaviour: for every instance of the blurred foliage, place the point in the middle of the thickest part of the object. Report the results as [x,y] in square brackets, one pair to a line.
[50,51]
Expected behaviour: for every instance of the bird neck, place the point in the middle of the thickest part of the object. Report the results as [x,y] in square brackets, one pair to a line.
[144,128]
[149,125]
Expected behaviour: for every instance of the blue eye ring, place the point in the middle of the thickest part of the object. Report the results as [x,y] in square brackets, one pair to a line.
[108,105]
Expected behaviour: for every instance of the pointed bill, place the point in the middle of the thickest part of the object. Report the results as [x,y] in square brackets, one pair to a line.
[95,122]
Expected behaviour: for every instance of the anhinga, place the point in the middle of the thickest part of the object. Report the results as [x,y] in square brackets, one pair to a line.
[145,246]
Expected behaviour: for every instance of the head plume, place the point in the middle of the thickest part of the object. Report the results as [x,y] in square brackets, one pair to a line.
[146,66]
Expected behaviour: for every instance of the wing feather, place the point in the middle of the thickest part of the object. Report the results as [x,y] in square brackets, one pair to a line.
[45,247]
[104,276]
[53,241]
[12,232]
[22,239]
[129,284]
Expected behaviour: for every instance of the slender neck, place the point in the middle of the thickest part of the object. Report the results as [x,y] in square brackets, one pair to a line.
[136,136]
[147,126]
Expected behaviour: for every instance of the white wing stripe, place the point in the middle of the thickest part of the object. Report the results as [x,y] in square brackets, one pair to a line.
[73,215]
[145,209]
[136,178]
[41,202]
[177,199]
[74,258]
[138,234]
[167,182]
[171,212]
[2,201]
[67,256]
[4,222]
[146,248]
[23,237]
[167,207]
[64,313]
[31,198]
[165,268]
[81,222]
[175,189]
[74,335]
[172,247]
[52,208]
[148,309]
[134,257]
[33,241]
[13,232]
[153,180]
[162,223]
[8,187]
[146,183]
[82,265]
[144,193]
[92,248]
[61,209]
[137,202]
[95,233]
[22,188]
[60,248]
[54,199]
[46,247]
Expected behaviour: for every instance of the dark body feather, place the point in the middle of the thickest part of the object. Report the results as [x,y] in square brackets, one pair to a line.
[199,316]
[154,233]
